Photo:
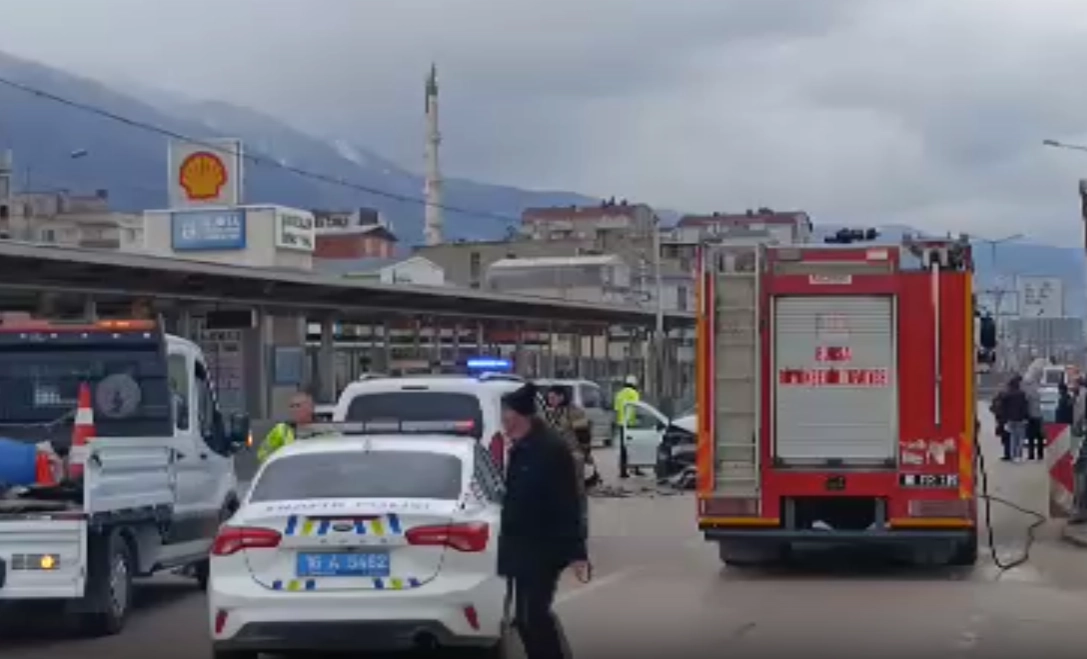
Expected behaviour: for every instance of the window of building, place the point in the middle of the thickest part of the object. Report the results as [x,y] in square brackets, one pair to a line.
[49,236]
[681,298]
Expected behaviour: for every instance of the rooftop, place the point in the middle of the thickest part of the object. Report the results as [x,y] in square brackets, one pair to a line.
[763,215]
[559,261]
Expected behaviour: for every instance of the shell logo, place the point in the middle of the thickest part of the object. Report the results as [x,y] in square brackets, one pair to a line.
[202,175]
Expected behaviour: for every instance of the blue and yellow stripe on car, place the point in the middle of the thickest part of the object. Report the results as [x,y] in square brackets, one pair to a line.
[298,526]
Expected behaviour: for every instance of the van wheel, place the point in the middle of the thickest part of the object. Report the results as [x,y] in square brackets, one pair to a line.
[109,587]
[201,571]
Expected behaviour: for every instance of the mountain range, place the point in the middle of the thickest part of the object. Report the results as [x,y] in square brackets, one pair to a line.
[129,160]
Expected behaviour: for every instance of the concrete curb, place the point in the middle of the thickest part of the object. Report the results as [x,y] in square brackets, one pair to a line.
[1075,534]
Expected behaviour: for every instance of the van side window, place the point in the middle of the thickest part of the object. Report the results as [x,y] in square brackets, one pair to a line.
[205,403]
[590,397]
[177,368]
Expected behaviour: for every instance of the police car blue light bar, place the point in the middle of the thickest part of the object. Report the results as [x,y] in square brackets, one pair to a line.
[489,364]
[385,427]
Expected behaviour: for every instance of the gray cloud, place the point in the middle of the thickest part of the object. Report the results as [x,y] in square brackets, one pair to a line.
[926,112]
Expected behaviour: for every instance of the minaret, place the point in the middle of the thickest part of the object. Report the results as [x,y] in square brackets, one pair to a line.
[432,188]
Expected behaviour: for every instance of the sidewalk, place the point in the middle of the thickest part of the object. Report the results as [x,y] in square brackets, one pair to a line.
[1075,534]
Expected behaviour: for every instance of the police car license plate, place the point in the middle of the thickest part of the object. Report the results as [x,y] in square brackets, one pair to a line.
[359,564]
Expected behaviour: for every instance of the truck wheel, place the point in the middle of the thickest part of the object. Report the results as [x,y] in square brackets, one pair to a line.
[109,587]
[966,553]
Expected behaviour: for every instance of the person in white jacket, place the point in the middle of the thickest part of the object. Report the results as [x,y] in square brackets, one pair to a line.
[1035,430]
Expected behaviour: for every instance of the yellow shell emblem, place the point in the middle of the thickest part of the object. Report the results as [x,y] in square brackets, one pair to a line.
[202,175]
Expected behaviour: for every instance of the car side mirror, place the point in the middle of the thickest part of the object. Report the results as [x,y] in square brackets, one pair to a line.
[236,431]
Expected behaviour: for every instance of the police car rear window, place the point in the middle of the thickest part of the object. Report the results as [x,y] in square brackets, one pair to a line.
[416,406]
[372,475]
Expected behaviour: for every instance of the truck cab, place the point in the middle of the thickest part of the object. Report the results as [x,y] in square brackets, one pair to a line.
[143,486]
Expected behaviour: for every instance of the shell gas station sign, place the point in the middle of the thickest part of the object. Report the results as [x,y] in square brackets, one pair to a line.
[205,173]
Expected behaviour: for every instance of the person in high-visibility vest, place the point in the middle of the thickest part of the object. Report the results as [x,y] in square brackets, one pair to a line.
[626,415]
[281,434]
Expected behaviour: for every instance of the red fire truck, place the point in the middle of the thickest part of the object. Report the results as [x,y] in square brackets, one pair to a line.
[835,398]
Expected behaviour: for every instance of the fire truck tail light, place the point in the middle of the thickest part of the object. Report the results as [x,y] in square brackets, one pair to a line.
[946,508]
[728,507]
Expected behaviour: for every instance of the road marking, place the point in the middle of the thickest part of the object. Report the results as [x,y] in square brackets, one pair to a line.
[595,584]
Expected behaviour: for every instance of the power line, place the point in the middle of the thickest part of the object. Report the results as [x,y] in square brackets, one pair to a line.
[255,159]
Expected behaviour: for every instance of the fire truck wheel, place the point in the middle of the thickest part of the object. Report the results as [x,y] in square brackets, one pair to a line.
[735,554]
[966,552]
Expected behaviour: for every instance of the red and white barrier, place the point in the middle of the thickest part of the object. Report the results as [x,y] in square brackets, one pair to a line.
[1059,462]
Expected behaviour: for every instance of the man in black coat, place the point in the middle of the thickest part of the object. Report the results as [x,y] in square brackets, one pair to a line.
[542,531]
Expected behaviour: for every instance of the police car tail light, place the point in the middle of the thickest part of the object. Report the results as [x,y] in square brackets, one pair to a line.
[949,508]
[470,537]
[232,539]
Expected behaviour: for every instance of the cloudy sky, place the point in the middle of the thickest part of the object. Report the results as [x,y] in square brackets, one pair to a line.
[924,112]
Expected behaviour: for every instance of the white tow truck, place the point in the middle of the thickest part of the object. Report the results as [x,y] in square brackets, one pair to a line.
[146,494]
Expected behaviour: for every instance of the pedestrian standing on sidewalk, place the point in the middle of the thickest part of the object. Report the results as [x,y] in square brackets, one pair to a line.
[1035,439]
[1015,409]
[542,531]
[1001,428]
[1066,406]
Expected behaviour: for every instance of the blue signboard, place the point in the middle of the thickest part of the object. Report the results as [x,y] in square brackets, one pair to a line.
[208,231]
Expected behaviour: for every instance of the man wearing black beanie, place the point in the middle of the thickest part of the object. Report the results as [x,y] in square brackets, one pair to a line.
[542,530]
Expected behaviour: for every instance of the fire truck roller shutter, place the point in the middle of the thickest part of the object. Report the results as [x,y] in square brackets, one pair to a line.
[835,393]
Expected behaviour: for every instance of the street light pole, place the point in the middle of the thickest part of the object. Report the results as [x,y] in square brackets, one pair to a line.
[659,358]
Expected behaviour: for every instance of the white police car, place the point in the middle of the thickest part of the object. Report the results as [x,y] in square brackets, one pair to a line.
[364,537]
[429,398]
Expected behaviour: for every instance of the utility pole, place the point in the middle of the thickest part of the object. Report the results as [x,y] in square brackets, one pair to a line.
[659,343]
[994,244]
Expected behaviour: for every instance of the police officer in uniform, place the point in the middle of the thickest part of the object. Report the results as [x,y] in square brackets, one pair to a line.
[625,416]
[281,434]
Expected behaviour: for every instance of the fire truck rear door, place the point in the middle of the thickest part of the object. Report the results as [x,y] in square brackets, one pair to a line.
[835,393]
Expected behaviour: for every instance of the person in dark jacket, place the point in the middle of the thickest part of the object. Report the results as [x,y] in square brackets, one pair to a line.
[1066,405]
[1001,428]
[542,532]
[1015,409]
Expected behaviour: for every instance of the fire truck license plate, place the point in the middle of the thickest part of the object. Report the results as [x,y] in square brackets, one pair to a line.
[929,480]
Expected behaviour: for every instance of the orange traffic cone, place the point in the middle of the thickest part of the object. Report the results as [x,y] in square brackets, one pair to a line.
[82,431]
[43,470]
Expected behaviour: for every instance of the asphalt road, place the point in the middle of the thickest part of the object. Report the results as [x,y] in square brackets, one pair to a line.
[660,591]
